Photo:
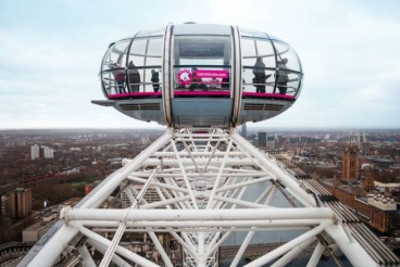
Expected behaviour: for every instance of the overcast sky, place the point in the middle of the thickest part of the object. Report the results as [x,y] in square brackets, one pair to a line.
[50,54]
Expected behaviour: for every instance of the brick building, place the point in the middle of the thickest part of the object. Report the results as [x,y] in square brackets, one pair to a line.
[350,163]
[18,203]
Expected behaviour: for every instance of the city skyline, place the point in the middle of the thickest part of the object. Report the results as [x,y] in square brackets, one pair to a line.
[50,56]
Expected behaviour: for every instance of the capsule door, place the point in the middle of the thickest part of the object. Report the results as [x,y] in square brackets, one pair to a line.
[201,79]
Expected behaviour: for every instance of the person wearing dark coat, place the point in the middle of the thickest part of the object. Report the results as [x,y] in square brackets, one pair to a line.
[155,80]
[282,76]
[259,75]
[133,78]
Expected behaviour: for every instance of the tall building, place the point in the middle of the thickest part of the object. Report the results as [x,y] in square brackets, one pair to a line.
[276,144]
[350,163]
[35,152]
[361,137]
[19,203]
[369,180]
[262,139]
[48,152]
[41,152]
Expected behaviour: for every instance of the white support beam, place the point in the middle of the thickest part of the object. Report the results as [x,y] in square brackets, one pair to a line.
[102,249]
[119,249]
[242,248]
[121,228]
[87,258]
[354,252]
[293,253]
[241,184]
[69,214]
[160,249]
[288,246]
[269,166]
[316,256]
[192,225]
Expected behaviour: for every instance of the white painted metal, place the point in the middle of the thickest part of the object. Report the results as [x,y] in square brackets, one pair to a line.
[204,183]
[270,214]
[87,259]
[294,253]
[314,259]
[102,249]
[242,248]
[167,74]
[288,246]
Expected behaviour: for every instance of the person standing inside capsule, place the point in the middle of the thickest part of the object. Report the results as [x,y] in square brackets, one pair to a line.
[259,75]
[282,76]
[155,79]
[119,76]
[133,77]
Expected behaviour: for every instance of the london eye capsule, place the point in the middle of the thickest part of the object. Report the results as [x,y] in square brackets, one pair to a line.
[200,75]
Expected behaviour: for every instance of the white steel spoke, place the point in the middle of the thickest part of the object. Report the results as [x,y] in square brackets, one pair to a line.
[242,248]
[218,178]
[102,249]
[286,247]
[87,258]
[314,259]
[118,234]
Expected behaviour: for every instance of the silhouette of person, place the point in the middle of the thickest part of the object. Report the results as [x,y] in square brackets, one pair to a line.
[133,77]
[282,76]
[259,75]
[155,80]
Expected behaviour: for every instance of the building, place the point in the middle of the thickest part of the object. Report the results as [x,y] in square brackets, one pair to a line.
[48,153]
[369,180]
[18,203]
[41,152]
[35,152]
[350,163]
[34,232]
[379,212]
[262,139]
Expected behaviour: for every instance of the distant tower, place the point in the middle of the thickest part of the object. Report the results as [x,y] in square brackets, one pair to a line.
[363,139]
[276,145]
[35,152]
[369,180]
[350,163]
[262,139]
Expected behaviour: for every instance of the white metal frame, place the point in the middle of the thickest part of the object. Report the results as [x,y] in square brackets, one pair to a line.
[201,177]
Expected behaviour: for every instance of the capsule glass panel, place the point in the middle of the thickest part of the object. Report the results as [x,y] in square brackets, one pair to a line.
[258,80]
[259,65]
[144,67]
[288,69]
[253,48]
[283,51]
[202,63]
[113,74]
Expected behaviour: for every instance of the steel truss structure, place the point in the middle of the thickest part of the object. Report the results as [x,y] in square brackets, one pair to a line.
[202,179]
